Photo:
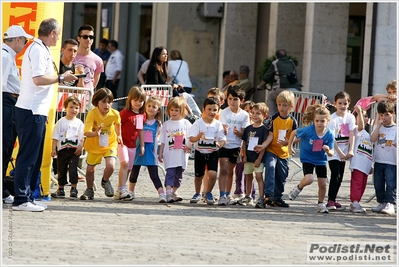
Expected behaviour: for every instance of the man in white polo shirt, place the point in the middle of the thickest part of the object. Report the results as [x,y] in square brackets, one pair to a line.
[15,39]
[113,68]
[31,110]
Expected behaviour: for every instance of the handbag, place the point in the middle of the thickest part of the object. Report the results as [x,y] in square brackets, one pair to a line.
[292,76]
[174,80]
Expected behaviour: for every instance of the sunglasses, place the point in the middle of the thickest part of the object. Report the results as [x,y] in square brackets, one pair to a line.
[85,36]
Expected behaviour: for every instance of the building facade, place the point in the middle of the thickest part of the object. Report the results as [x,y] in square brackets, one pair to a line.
[339,46]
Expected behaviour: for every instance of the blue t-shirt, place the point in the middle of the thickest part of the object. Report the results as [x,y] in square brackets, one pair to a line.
[310,145]
[150,157]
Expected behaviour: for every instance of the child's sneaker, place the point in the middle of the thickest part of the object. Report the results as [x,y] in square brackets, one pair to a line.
[88,194]
[60,193]
[8,200]
[195,198]
[379,208]
[388,209]
[122,194]
[294,193]
[267,201]
[259,203]
[331,205]
[132,194]
[356,208]
[209,199]
[339,207]
[108,190]
[169,198]
[162,198]
[230,200]
[203,197]
[73,193]
[176,197]
[222,201]
[238,196]
[322,208]
[246,201]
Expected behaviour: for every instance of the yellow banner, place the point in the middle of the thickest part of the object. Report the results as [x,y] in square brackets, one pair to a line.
[29,16]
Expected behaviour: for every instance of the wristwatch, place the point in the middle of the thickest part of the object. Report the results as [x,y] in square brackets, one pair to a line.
[60,79]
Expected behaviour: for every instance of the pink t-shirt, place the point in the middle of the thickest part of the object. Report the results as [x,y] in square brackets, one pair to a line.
[92,64]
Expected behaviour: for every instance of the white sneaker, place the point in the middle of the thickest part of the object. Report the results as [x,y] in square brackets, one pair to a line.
[162,198]
[122,194]
[132,194]
[40,203]
[28,206]
[388,209]
[222,201]
[231,201]
[356,208]
[238,196]
[379,208]
[294,193]
[321,207]
[8,200]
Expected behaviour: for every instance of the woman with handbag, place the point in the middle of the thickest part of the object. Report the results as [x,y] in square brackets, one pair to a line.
[179,71]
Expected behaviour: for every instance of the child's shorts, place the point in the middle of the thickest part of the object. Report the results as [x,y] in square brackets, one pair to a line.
[231,153]
[95,159]
[126,154]
[321,171]
[205,161]
[249,168]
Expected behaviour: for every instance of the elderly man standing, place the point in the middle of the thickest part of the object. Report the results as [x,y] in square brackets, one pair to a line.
[15,39]
[244,82]
[31,110]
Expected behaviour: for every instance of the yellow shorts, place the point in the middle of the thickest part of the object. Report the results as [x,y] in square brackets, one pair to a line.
[95,159]
[250,168]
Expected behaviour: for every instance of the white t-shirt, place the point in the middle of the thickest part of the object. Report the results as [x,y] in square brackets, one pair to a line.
[384,151]
[231,119]
[144,67]
[9,73]
[213,133]
[114,63]
[36,62]
[174,134]
[183,76]
[69,133]
[362,152]
[340,127]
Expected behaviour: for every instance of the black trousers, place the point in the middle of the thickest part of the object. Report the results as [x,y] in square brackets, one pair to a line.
[337,169]
[67,161]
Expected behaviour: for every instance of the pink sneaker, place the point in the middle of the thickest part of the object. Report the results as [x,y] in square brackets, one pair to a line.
[331,205]
[339,207]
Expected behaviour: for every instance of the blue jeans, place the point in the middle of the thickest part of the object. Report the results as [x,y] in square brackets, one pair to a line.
[385,182]
[276,173]
[31,130]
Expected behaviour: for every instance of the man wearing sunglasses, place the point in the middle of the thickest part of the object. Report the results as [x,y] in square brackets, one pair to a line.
[15,39]
[92,63]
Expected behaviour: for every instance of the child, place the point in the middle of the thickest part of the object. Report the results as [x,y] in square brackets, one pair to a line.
[174,147]
[384,137]
[208,137]
[103,133]
[218,94]
[132,119]
[391,90]
[254,134]
[360,163]
[276,159]
[240,179]
[342,124]
[151,131]
[68,138]
[234,121]
[316,142]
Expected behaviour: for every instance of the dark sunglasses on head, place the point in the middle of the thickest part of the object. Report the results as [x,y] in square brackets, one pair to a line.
[85,36]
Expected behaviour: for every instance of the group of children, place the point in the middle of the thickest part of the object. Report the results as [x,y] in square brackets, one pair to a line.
[259,143]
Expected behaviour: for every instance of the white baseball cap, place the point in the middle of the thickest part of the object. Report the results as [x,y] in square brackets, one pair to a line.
[16,31]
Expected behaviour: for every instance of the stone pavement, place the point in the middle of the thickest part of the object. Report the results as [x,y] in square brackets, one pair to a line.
[144,232]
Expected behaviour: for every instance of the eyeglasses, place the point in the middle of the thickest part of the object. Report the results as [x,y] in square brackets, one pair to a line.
[85,36]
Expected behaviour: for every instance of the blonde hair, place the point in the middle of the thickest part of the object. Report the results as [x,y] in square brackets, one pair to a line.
[136,92]
[286,96]
[262,107]
[177,102]
[311,111]
[157,101]
[391,85]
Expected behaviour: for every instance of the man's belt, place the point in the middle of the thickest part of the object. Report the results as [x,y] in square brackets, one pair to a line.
[12,94]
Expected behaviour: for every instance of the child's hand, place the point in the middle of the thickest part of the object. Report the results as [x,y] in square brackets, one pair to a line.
[358,109]
[394,145]
[371,170]
[392,97]
[98,130]
[235,131]
[53,153]
[199,136]
[120,140]
[326,148]
[220,144]
[160,157]
[187,149]
[79,150]
[349,155]
[257,163]
[292,151]
[226,128]
[283,142]
[142,150]
[244,159]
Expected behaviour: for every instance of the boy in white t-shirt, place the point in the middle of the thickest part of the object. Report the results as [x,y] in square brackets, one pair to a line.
[234,121]
[384,137]
[207,135]
[360,163]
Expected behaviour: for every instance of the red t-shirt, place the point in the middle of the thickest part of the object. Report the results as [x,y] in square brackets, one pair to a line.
[128,127]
